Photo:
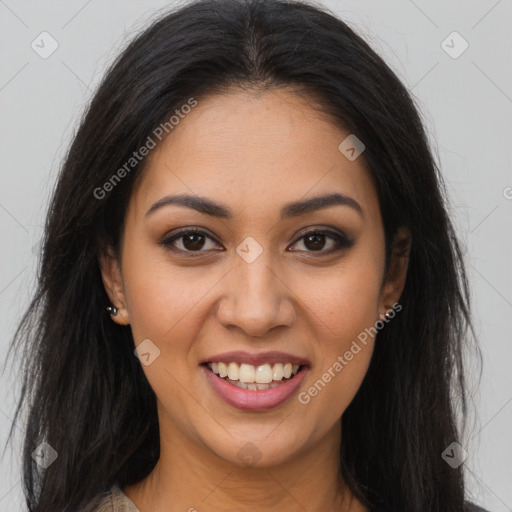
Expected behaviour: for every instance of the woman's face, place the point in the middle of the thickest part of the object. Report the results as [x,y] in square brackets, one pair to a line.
[252,290]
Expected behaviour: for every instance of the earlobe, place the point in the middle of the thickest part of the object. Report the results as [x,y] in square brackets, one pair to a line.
[113,282]
[119,316]
[397,272]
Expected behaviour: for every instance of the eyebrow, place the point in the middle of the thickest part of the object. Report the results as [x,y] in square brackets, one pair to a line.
[289,210]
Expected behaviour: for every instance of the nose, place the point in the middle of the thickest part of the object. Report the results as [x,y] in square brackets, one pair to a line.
[257,299]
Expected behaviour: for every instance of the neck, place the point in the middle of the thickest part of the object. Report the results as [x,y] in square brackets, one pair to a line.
[190,477]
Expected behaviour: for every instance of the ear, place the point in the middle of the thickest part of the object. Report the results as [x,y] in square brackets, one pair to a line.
[394,281]
[113,282]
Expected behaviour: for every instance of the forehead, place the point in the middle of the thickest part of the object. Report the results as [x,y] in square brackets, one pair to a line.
[251,149]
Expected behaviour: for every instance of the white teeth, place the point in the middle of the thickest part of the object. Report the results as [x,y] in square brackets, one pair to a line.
[223,370]
[264,374]
[233,371]
[246,373]
[254,377]
[278,372]
[252,386]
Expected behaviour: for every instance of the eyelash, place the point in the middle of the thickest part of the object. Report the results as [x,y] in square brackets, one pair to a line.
[342,241]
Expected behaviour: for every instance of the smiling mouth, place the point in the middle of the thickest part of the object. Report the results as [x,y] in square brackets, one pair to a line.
[255,378]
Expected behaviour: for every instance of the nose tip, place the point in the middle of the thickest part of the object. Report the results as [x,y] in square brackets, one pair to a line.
[257,302]
[255,319]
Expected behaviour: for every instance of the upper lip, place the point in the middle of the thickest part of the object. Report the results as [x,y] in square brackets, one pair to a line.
[239,356]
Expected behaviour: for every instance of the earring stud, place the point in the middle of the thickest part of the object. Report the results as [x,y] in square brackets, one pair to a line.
[112,310]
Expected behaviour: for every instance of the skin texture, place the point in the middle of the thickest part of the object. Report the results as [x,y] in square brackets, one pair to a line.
[251,152]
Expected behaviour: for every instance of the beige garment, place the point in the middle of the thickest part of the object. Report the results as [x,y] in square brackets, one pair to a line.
[115,501]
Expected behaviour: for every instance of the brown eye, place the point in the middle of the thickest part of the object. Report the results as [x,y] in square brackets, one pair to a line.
[316,241]
[193,242]
[188,241]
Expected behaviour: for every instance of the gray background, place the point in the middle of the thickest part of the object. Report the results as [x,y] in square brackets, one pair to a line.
[466,103]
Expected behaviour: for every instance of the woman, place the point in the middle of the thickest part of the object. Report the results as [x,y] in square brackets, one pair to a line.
[251,296]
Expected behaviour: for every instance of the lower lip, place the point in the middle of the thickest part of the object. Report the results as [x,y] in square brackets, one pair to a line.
[250,400]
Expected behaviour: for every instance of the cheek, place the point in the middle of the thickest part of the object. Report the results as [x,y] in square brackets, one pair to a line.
[346,300]
[164,305]
[344,307]
[168,306]
[160,297]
